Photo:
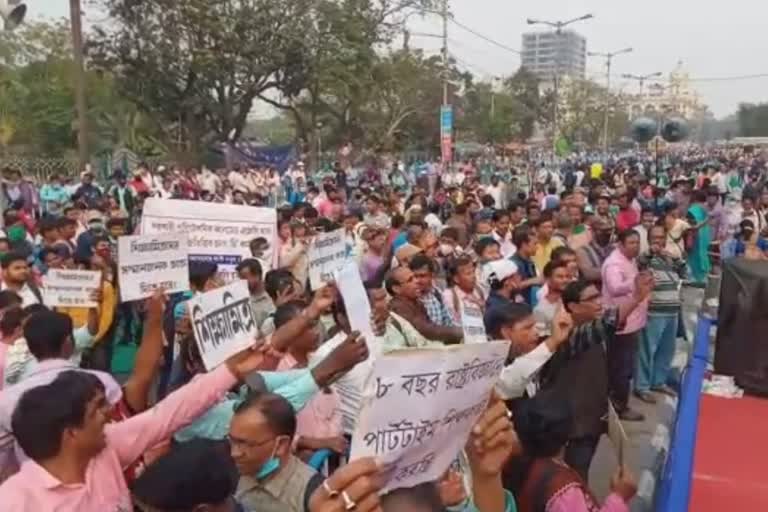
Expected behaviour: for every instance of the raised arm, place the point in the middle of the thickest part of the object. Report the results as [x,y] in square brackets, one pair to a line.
[132,437]
[136,389]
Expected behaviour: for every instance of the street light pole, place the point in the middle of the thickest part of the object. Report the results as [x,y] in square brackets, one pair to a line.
[558,26]
[641,79]
[608,59]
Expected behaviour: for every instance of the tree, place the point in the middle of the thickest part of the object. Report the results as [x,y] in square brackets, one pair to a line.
[582,112]
[753,119]
[195,67]
[530,106]
[341,78]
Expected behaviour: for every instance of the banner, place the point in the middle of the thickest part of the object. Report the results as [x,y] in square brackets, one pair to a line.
[148,262]
[419,407]
[70,288]
[223,322]
[220,233]
[472,323]
[252,154]
[327,253]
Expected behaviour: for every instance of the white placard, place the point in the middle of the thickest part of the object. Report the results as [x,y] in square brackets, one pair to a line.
[148,262]
[358,308]
[223,322]
[472,323]
[327,254]
[220,233]
[419,407]
[70,288]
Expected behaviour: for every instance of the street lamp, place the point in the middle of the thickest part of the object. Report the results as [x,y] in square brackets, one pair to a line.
[641,79]
[13,13]
[558,26]
[608,58]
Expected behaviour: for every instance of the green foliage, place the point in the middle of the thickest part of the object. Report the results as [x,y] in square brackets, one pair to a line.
[753,120]
[196,66]
[582,112]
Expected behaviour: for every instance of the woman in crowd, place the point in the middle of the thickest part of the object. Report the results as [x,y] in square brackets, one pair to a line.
[540,479]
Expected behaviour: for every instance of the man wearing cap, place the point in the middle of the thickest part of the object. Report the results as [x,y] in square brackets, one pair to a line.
[503,281]
[96,228]
[87,191]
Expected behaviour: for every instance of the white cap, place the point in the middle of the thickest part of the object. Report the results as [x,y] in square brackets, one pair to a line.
[498,270]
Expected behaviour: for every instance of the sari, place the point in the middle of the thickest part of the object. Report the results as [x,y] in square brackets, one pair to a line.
[698,256]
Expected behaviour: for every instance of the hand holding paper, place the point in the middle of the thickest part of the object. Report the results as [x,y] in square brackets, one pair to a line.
[358,479]
[492,441]
[346,356]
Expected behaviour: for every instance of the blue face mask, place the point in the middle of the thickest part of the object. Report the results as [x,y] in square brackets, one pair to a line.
[269,467]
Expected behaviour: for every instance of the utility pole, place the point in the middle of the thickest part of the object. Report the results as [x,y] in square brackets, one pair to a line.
[558,26]
[606,108]
[75,15]
[445,51]
[641,79]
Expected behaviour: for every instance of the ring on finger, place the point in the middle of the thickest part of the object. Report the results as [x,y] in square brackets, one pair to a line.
[348,503]
[331,492]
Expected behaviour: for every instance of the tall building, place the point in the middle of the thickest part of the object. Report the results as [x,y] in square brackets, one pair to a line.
[548,53]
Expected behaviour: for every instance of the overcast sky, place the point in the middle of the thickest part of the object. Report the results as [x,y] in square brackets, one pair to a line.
[712,39]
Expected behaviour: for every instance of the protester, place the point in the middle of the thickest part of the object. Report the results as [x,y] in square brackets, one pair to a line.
[428,241]
[542,479]
[657,340]
[619,276]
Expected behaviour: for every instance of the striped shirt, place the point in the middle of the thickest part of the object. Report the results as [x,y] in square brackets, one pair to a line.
[667,275]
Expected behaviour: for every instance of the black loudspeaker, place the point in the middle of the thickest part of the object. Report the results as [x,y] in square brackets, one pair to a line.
[742,328]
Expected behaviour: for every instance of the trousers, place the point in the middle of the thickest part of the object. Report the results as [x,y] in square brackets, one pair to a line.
[622,351]
[655,351]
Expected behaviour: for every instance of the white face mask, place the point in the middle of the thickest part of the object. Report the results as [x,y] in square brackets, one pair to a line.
[446,250]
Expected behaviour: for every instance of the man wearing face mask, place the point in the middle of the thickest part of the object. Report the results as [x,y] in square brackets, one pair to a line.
[260,438]
[592,256]
[85,242]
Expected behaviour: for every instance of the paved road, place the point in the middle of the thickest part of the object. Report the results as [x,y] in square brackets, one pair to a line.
[645,438]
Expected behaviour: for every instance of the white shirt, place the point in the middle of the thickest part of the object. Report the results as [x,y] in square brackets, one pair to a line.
[434,224]
[28,297]
[497,194]
[520,376]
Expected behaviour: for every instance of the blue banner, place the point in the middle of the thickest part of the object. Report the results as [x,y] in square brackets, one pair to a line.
[252,153]
[446,120]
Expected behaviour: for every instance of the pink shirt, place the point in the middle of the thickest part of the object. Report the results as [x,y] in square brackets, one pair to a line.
[320,416]
[572,499]
[618,275]
[33,489]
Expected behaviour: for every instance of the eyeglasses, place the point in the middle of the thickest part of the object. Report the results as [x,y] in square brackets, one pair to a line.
[591,298]
[248,445]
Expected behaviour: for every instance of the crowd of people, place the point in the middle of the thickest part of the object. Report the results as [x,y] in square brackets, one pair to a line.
[578,266]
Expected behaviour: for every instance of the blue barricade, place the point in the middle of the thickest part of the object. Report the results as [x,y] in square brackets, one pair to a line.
[675,489]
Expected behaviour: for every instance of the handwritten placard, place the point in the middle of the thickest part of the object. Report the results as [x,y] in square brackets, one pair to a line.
[472,323]
[70,288]
[327,253]
[223,322]
[148,262]
[420,405]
